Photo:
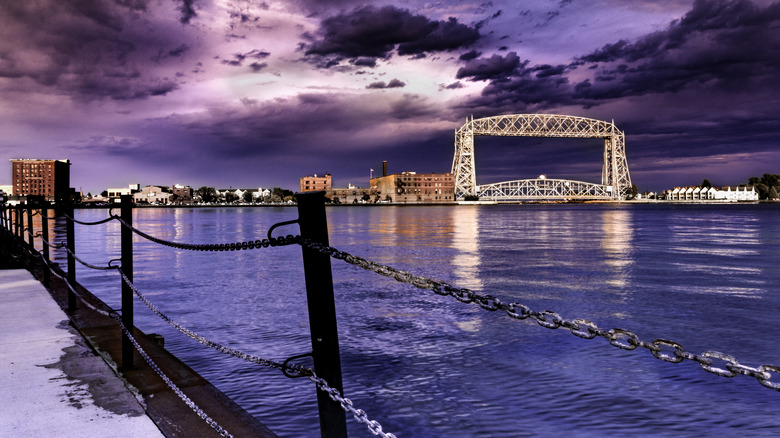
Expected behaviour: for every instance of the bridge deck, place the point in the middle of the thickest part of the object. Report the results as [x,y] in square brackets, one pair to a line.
[544,189]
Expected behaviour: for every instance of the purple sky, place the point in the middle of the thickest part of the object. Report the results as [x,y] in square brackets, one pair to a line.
[258,93]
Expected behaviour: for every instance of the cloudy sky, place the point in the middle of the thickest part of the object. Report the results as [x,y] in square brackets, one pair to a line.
[249,93]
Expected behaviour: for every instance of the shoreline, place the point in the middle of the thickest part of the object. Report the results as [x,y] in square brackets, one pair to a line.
[449,204]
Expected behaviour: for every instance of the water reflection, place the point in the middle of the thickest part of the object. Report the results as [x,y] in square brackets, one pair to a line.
[718,249]
[465,239]
[426,365]
[617,245]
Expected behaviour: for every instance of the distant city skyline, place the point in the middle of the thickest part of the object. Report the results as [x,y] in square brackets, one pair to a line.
[260,93]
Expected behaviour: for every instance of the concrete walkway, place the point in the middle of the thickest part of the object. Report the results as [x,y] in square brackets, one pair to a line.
[51,383]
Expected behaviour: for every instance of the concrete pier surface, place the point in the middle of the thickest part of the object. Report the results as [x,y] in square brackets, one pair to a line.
[59,375]
[51,382]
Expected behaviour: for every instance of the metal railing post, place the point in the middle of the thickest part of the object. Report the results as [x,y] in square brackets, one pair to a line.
[127,268]
[322,311]
[44,240]
[70,241]
[30,231]
[18,221]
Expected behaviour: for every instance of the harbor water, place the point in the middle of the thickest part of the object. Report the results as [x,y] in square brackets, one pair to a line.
[423,365]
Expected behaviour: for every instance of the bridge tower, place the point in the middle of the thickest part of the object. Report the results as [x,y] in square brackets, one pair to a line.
[614,175]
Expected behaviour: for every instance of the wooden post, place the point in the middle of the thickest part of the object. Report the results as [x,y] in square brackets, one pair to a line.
[322,311]
[127,291]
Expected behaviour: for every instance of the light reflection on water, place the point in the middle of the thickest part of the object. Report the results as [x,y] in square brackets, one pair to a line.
[428,366]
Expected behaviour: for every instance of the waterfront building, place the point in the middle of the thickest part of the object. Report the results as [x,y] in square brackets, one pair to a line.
[725,194]
[415,188]
[181,194]
[114,195]
[47,178]
[261,195]
[352,195]
[153,195]
[316,183]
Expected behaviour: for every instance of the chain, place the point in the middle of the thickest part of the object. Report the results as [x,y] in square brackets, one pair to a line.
[300,370]
[264,243]
[49,265]
[583,328]
[170,383]
[75,257]
[209,343]
[373,426]
[102,221]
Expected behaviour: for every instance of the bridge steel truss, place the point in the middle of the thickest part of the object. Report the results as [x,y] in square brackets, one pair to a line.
[542,188]
[614,172]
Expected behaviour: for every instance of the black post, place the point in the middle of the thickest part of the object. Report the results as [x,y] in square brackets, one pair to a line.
[71,244]
[30,231]
[127,292]
[322,311]
[18,221]
[45,232]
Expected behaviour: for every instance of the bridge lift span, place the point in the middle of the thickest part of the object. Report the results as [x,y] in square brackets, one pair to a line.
[615,179]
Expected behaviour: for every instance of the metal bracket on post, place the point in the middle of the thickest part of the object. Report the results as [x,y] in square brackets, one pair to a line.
[322,311]
[127,291]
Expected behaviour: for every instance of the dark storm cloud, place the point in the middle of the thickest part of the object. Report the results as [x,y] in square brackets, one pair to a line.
[308,127]
[364,62]
[187,9]
[395,83]
[313,132]
[468,56]
[87,50]
[238,59]
[371,32]
[724,47]
[717,45]
[497,68]
[172,53]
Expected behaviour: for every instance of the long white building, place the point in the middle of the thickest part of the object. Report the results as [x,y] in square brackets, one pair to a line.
[725,194]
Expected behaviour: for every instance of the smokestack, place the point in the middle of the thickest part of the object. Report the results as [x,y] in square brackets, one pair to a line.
[384,168]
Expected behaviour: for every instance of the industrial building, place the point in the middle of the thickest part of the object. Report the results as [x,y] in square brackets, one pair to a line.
[47,178]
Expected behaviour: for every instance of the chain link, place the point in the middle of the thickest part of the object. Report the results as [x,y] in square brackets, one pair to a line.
[102,221]
[373,426]
[198,411]
[264,243]
[583,328]
[50,264]
[75,257]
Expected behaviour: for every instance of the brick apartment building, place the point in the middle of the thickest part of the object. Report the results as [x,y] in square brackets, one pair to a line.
[415,188]
[316,183]
[47,178]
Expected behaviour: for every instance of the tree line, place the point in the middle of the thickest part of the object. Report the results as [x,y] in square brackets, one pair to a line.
[767,186]
[210,194]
